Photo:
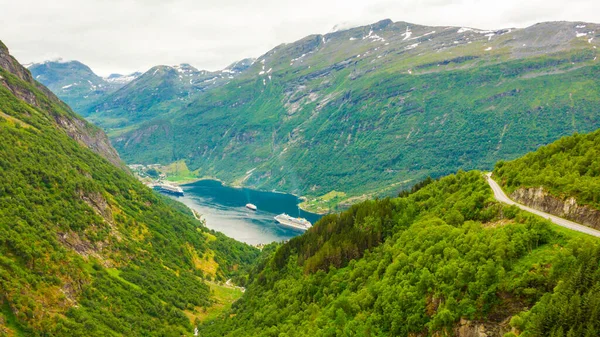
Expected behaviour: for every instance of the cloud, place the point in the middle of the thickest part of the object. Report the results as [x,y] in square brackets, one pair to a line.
[134,35]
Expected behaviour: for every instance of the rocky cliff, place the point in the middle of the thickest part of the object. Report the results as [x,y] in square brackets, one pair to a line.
[541,200]
[40,97]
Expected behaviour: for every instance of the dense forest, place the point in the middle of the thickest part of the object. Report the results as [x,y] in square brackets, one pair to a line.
[443,260]
[86,249]
[569,167]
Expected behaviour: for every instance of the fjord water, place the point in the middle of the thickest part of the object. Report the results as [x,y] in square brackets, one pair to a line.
[224,209]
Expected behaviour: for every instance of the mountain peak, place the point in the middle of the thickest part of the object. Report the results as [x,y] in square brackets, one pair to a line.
[185,68]
[239,66]
[122,79]
[382,24]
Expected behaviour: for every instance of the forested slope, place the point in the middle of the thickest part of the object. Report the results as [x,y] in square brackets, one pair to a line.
[445,260]
[85,249]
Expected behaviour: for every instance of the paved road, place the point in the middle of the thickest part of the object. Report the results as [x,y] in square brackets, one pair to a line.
[502,197]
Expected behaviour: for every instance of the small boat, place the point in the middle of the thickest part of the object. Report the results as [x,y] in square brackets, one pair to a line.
[251,207]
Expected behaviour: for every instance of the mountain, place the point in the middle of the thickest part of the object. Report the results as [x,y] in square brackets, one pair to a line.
[374,109]
[143,96]
[122,79]
[156,92]
[86,249]
[561,178]
[62,116]
[444,260]
[75,83]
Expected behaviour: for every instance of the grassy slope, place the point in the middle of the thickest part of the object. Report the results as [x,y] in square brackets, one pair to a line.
[85,248]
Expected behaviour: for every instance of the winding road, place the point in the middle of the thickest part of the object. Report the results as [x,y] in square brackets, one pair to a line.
[502,197]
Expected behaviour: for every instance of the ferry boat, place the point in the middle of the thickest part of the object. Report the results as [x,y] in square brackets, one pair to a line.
[169,189]
[294,223]
[251,207]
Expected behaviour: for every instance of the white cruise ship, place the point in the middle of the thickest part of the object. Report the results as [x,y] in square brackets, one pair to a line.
[294,223]
[169,189]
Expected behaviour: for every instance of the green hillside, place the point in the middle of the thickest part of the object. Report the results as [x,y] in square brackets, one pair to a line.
[569,167]
[381,106]
[446,260]
[85,249]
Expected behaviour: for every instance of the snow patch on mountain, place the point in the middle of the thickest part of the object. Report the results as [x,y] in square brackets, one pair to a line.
[121,79]
[412,46]
[373,37]
[426,34]
[407,34]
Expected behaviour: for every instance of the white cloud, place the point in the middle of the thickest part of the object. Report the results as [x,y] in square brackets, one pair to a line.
[129,35]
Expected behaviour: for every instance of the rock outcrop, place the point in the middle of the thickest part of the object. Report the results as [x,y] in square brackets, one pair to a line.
[541,200]
[467,328]
[40,97]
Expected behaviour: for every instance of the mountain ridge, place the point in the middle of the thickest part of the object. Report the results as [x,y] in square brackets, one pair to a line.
[384,89]
[307,82]
[76,128]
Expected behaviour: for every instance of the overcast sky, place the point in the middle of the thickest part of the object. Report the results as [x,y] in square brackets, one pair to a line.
[123,36]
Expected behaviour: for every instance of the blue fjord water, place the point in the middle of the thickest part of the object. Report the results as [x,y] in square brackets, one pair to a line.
[224,209]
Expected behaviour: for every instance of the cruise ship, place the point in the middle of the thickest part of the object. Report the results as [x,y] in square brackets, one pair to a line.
[294,223]
[169,189]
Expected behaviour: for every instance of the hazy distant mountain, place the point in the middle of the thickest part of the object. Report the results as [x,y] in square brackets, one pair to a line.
[76,83]
[143,95]
[157,92]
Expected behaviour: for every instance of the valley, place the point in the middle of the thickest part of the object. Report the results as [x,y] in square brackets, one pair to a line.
[451,176]
[223,209]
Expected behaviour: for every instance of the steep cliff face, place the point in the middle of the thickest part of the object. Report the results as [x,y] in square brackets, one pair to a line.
[91,136]
[466,328]
[40,97]
[541,200]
